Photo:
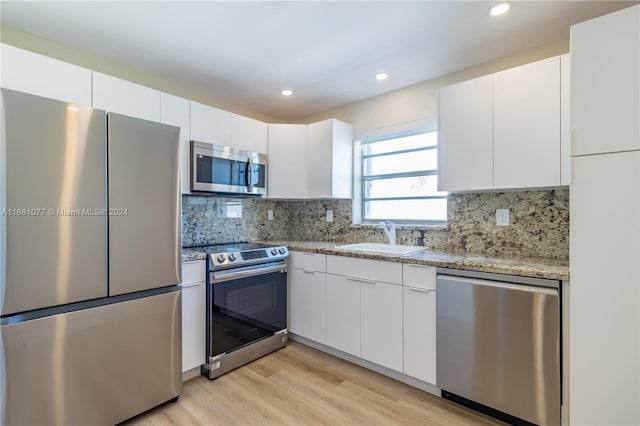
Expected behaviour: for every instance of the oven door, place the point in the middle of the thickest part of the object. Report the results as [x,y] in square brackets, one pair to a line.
[216,168]
[245,305]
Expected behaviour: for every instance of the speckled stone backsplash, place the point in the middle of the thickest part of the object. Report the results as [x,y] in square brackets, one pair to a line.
[539,223]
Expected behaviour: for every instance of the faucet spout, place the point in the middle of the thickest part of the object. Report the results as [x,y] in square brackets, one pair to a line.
[389,229]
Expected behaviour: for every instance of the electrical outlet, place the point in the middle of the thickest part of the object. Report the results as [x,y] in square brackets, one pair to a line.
[270,214]
[329,215]
[502,217]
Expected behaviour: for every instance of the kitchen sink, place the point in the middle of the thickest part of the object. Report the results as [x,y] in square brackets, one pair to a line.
[381,248]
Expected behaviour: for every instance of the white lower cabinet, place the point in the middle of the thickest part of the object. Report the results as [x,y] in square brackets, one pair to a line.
[343,314]
[381,323]
[308,304]
[419,327]
[194,302]
[383,312]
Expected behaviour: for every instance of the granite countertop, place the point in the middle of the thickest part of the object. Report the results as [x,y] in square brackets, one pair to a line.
[556,269]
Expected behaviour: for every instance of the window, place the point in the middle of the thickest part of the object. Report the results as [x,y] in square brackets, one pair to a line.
[400,179]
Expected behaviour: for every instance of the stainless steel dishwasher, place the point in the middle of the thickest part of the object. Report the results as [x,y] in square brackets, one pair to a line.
[498,344]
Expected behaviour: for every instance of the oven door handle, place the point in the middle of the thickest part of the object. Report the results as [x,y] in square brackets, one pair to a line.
[220,277]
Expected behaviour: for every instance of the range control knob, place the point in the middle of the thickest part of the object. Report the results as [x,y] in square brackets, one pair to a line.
[281,250]
[274,251]
[222,258]
[232,257]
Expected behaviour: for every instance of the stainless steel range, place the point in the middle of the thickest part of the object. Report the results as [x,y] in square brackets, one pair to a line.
[246,304]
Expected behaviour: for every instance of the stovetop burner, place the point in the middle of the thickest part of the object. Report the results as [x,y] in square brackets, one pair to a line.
[233,255]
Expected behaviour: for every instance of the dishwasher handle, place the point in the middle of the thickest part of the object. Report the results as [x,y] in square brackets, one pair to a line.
[452,279]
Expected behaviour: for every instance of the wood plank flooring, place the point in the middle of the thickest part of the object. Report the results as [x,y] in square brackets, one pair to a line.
[301,386]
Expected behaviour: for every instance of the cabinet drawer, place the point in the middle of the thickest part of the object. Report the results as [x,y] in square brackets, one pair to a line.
[421,276]
[193,272]
[309,261]
[376,270]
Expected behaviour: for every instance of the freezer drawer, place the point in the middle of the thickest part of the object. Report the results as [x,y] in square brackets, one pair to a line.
[96,366]
[498,344]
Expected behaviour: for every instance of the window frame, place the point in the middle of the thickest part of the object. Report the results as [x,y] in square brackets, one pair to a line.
[395,132]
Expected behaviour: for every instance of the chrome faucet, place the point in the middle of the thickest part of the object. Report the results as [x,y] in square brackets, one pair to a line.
[389,229]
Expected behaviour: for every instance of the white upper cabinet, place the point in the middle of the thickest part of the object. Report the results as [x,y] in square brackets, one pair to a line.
[526,123]
[505,130]
[605,83]
[465,135]
[287,157]
[248,134]
[310,161]
[123,97]
[565,120]
[175,111]
[209,124]
[330,153]
[39,75]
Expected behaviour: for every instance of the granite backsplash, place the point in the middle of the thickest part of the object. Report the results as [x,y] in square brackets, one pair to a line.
[539,223]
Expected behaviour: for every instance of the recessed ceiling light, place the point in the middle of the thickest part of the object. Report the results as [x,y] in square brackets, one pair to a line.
[286,92]
[500,8]
[381,76]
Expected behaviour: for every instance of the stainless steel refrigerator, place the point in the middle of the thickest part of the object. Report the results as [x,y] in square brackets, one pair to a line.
[89,263]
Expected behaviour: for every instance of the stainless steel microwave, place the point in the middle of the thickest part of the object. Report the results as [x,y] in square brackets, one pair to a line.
[223,169]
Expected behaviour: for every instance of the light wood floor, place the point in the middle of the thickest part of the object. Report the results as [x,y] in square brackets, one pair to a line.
[300,386]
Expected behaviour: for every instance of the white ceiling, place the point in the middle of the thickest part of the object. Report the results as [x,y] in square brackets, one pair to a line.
[327,52]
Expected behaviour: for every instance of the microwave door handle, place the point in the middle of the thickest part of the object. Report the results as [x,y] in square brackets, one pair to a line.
[250,174]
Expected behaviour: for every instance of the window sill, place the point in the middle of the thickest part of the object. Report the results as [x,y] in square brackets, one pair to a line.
[409,226]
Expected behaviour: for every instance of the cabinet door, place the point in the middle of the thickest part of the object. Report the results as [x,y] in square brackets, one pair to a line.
[526,125]
[193,325]
[465,135]
[330,157]
[343,314]
[367,269]
[309,261]
[248,134]
[604,253]
[287,157]
[209,124]
[565,122]
[381,324]
[193,314]
[121,96]
[39,75]
[605,65]
[419,333]
[175,111]
[308,304]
